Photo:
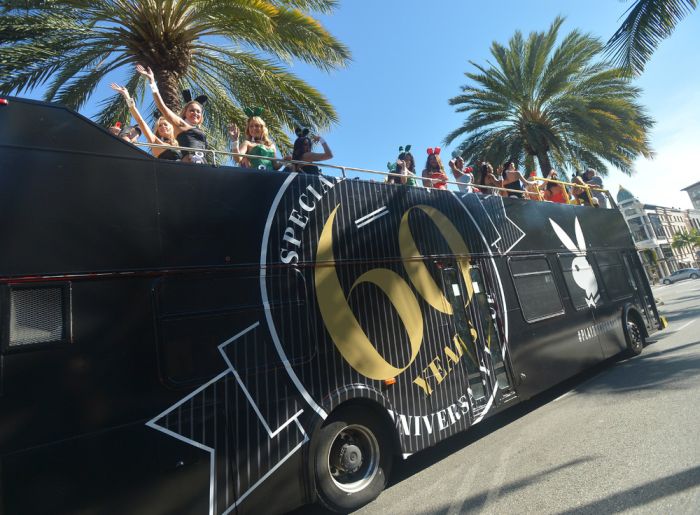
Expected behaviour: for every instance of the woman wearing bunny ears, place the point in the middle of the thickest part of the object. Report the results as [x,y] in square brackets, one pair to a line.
[257,142]
[186,126]
[405,165]
[302,151]
[434,175]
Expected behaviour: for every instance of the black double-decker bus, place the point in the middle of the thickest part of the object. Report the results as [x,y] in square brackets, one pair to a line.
[182,338]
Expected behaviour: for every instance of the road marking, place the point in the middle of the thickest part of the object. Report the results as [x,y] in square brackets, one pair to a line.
[684,326]
[565,395]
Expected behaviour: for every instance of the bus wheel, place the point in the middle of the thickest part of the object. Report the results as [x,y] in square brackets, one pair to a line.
[352,458]
[634,335]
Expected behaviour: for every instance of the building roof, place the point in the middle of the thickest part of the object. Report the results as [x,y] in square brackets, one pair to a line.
[624,195]
[691,186]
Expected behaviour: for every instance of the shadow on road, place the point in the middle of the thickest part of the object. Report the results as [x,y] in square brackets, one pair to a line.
[616,503]
[657,370]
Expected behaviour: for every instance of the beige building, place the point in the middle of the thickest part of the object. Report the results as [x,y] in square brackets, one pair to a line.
[653,228]
[694,193]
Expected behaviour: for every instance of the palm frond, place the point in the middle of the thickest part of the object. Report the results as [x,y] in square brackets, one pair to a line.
[647,24]
[561,102]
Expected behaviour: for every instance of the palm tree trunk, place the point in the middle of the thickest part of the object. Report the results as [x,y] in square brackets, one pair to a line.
[169,88]
[545,163]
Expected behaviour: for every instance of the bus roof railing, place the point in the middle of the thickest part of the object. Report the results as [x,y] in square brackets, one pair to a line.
[344,169]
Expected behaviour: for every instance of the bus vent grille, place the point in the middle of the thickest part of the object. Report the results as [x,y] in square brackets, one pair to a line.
[36,316]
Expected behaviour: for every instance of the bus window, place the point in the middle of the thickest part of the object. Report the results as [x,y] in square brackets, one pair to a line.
[576,292]
[615,277]
[535,288]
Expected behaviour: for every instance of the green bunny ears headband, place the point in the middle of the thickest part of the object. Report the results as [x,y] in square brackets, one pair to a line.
[405,149]
[256,111]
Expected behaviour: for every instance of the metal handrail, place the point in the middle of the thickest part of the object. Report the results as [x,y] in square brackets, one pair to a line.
[344,169]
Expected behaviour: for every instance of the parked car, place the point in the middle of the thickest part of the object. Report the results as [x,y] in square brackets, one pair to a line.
[683,273]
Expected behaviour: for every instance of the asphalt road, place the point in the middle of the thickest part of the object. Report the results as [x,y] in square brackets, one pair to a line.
[623,438]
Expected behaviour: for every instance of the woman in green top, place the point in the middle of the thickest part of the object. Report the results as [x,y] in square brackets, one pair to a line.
[405,166]
[257,143]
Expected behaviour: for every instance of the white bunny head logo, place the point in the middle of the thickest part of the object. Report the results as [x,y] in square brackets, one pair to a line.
[580,267]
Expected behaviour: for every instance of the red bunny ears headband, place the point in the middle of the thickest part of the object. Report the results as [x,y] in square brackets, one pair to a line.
[435,151]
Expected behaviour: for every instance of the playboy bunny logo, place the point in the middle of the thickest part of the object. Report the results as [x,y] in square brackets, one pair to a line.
[581,268]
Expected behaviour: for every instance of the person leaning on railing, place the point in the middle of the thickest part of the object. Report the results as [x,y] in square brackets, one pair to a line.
[591,178]
[513,180]
[555,192]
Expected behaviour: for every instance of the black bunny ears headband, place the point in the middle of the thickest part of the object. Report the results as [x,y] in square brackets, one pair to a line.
[187,97]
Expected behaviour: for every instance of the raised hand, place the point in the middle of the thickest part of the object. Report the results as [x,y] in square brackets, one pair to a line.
[121,90]
[234,132]
[146,72]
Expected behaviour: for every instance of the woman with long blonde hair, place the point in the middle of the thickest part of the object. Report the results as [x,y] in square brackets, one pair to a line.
[163,133]
[434,175]
[257,142]
[186,126]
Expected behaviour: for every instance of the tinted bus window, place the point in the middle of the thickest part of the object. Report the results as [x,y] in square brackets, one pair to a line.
[537,292]
[615,278]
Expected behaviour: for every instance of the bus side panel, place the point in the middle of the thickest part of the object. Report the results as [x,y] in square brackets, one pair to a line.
[123,470]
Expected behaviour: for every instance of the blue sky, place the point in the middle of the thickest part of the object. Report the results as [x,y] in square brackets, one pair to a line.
[409,58]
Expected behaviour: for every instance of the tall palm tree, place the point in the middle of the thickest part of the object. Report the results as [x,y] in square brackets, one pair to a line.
[560,104]
[648,22]
[688,240]
[233,51]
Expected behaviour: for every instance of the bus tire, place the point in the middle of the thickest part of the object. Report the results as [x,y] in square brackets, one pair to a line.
[634,335]
[352,454]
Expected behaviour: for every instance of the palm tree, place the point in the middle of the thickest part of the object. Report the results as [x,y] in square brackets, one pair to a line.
[233,51]
[557,103]
[687,240]
[648,22]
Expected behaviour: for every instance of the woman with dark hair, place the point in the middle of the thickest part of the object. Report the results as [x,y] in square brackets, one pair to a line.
[513,180]
[555,192]
[186,126]
[405,165]
[302,152]
[434,175]
[487,178]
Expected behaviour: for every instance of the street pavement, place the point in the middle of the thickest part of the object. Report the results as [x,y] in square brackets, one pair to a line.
[622,438]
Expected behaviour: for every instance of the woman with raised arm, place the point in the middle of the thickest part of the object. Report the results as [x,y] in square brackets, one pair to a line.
[186,126]
[163,134]
[487,178]
[257,142]
[434,175]
[513,180]
[302,151]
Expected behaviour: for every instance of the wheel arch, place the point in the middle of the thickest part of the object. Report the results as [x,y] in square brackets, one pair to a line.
[630,311]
